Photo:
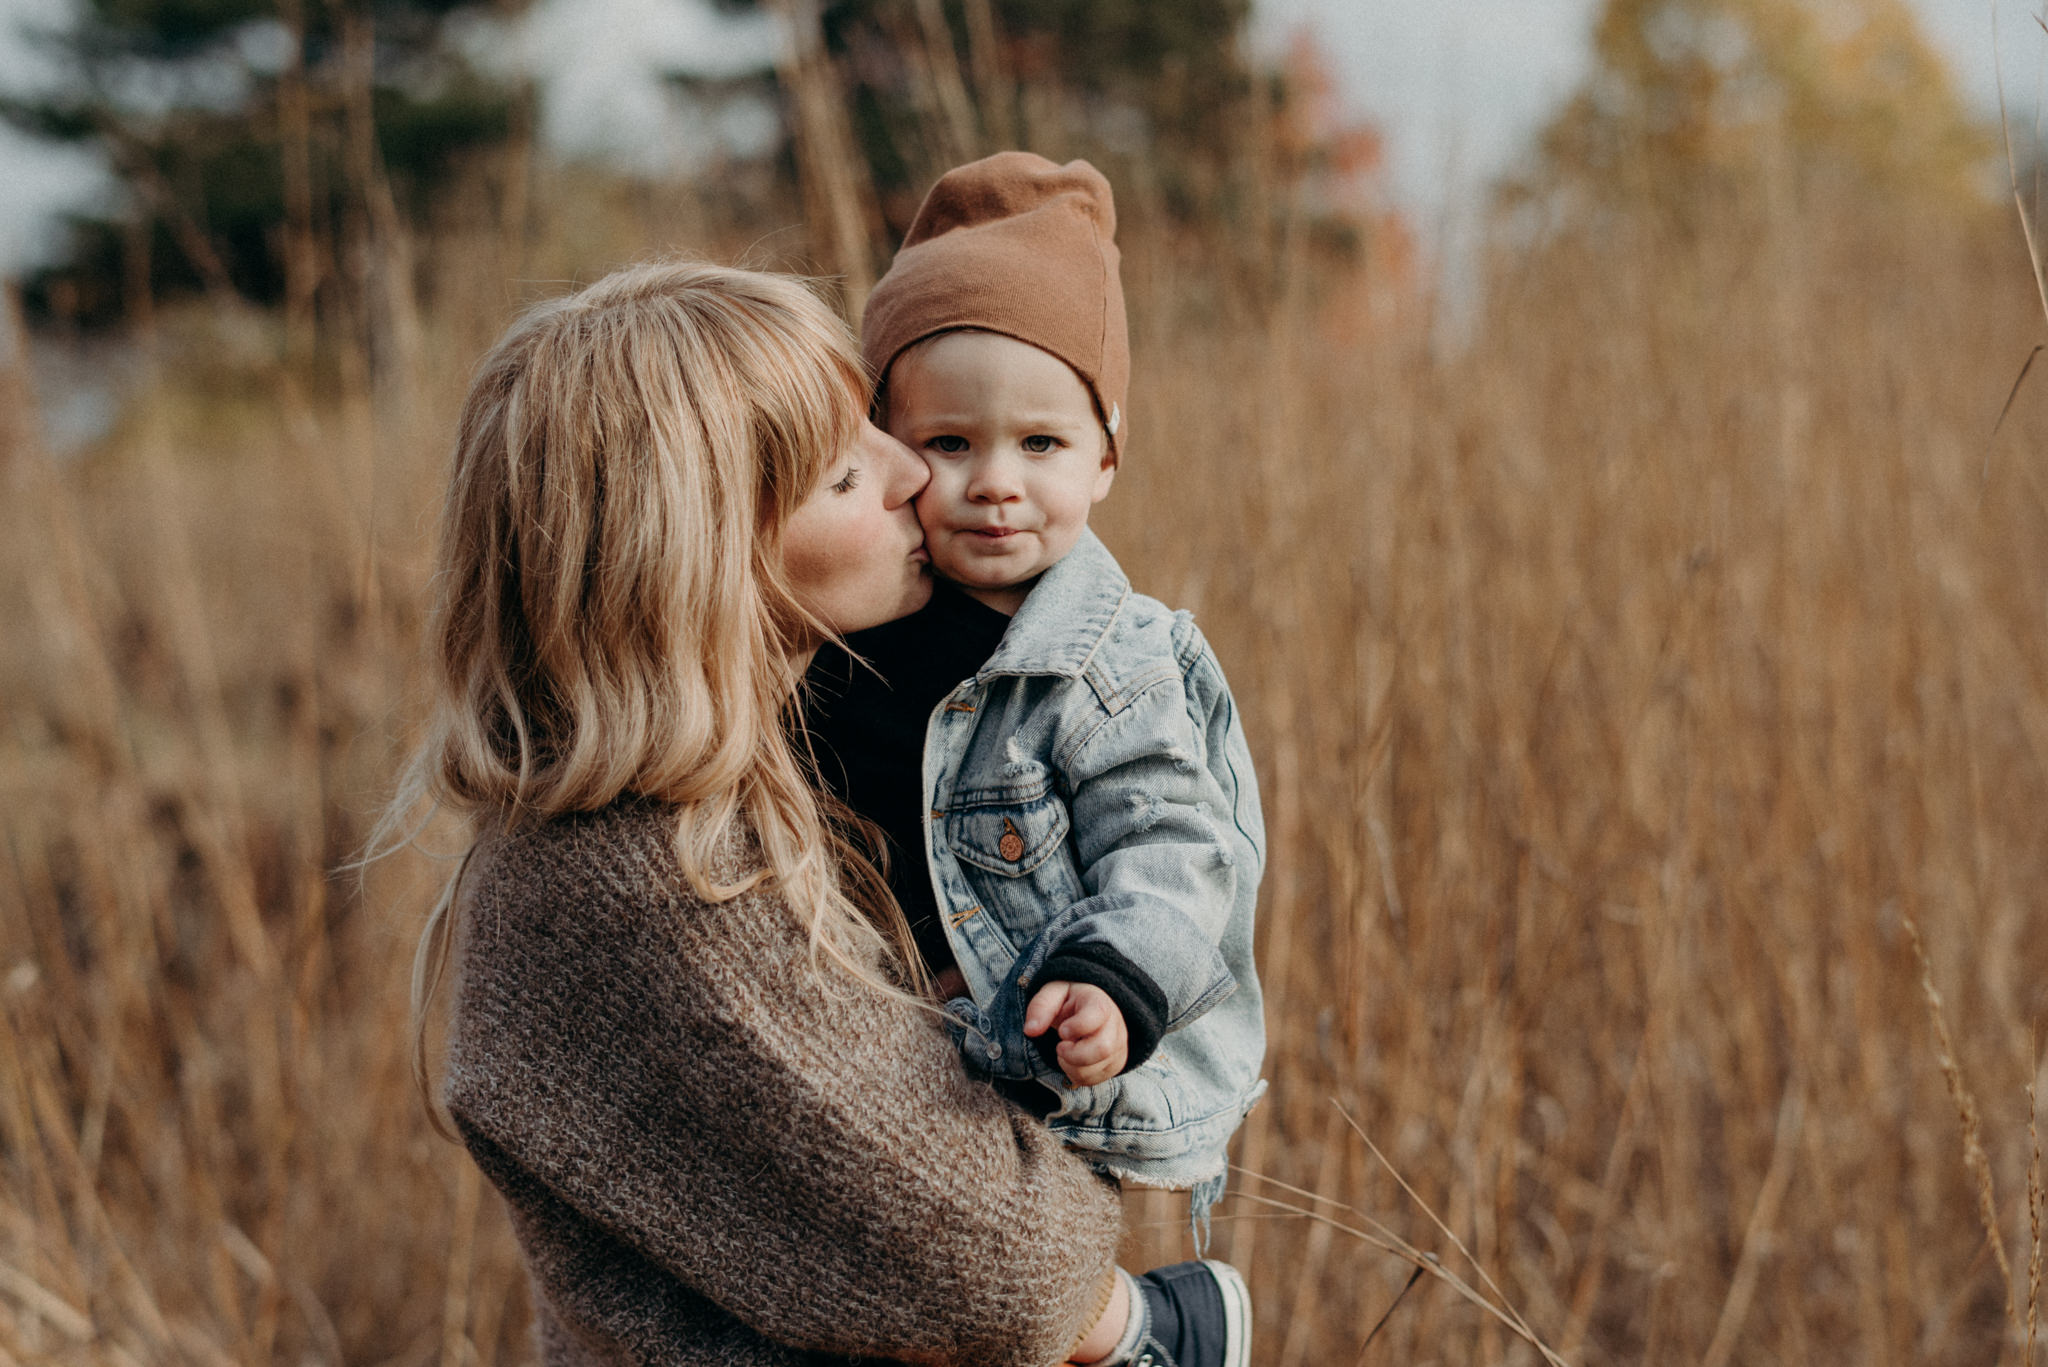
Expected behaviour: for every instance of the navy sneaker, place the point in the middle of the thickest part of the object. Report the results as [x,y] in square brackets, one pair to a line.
[1196,1315]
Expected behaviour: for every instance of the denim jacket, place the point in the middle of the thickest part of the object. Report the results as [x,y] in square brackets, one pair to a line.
[1091,783]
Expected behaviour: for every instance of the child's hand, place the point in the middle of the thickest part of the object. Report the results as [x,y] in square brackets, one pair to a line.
[1094,1042]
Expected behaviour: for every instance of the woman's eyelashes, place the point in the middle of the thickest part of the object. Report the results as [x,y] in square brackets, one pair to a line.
[848,481]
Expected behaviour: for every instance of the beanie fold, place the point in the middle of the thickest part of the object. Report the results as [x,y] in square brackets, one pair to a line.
[1016,245]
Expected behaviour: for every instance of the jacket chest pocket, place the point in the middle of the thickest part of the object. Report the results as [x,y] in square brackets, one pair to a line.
[1016,854]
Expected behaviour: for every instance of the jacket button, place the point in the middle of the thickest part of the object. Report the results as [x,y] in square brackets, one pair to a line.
[995,1051]
[1011,846]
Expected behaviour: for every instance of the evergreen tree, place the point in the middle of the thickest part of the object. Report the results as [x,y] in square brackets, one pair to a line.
[931,83]
[260,143]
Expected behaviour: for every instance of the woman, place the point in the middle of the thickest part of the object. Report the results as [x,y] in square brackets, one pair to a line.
[683,1046]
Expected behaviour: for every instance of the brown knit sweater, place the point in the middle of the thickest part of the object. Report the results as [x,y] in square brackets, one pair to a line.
[712,1154]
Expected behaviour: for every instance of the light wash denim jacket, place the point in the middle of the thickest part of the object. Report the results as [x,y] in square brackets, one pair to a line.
[1091,782]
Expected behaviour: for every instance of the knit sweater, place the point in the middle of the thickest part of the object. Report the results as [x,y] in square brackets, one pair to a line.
[717,1150]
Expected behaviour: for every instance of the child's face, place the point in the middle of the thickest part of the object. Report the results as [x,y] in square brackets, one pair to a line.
[1017,456]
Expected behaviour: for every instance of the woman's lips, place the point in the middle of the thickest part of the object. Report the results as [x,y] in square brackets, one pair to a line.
[920,554]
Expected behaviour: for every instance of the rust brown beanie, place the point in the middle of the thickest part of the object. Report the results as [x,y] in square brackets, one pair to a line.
[1017,245]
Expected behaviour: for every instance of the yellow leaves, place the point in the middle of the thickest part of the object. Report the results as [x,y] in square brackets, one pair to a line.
[1692,95]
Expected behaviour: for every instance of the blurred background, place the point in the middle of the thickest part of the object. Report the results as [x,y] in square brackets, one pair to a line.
[1596,434]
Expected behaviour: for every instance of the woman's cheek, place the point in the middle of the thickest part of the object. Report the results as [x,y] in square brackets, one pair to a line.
[817,571]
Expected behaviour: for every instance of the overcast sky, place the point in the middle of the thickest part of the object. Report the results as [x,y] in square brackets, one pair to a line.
[1456,86]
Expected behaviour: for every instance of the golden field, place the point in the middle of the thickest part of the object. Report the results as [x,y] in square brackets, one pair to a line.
[1628,680]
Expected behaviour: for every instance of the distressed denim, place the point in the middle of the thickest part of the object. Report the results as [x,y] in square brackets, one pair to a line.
[1091,783]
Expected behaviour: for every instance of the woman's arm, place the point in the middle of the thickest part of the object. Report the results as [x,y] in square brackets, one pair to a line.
[778,1139]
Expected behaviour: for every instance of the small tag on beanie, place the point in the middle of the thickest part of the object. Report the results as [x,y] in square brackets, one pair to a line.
[1114,418]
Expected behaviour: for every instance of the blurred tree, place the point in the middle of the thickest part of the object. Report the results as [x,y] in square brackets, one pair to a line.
[271,151]
[1325,178]
[284,151]
[1689,99]
[1196,132]
[931,83]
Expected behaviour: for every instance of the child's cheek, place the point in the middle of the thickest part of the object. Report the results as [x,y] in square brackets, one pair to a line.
[928,504]
[931,508]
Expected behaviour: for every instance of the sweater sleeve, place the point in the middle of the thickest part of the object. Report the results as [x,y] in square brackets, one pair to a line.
[784,1143]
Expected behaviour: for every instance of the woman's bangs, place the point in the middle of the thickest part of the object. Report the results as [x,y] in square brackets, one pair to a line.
[826,399]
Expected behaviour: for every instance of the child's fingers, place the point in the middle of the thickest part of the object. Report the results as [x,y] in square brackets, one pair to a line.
[1045,1007]
[1093,1076]
[1089,1048]
[1092,1061]
[1088,1011]
[1094,1042]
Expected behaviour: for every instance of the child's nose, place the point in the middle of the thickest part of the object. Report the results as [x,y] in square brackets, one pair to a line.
[994,480]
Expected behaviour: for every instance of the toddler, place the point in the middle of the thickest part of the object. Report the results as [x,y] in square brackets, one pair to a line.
[1055,759]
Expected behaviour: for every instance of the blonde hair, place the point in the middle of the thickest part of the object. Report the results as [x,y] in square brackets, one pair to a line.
[611,617]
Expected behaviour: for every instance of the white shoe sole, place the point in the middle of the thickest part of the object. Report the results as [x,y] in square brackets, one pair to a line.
[1237,1313]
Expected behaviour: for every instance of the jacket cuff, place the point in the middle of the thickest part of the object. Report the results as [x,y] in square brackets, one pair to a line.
[1099,964]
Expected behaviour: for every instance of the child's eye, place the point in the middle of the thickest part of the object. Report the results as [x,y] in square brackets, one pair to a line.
[948,445]
[1040,443]
[846,485]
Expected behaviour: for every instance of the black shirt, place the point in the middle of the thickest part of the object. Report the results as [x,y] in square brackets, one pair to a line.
[868,727]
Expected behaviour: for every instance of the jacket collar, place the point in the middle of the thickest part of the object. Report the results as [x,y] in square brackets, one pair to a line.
[1065,616]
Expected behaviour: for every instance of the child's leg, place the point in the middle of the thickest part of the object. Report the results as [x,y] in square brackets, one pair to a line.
[1196,1314]
[1109,1330]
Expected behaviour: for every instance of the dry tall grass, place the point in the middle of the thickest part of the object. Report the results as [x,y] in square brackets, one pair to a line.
[1624,686]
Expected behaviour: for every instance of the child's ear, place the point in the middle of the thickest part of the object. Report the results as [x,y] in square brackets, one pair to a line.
[1105,475]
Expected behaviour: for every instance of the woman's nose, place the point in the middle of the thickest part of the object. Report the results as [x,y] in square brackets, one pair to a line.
[905,473]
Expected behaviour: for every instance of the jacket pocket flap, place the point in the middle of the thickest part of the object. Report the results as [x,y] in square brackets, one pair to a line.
[1011,839]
